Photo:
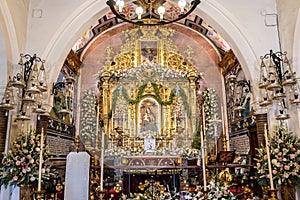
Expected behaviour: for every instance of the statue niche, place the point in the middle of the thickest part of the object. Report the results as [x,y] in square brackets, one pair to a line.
[149,116]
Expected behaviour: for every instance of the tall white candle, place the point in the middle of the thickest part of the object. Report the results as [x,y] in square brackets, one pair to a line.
[223,120]
[102,161]
[269,158]
[203,158]
[41,161]
[97,126]
[186,130]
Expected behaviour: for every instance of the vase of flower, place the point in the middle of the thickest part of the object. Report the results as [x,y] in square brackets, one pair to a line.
[284,159]
[26,192]
[287,192]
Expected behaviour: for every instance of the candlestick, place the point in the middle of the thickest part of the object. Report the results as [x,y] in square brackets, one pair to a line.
[223,120]
[186,130]
[41,161]
[224,129]
[203,158]
[102,161]
[268,156]
[97,126]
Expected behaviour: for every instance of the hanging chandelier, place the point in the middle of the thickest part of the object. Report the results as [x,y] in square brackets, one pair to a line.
[278,83]
[30,85]
[152,12]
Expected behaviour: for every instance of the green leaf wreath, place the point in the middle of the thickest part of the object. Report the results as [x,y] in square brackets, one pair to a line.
[20,166]
[120,90]
[285,159]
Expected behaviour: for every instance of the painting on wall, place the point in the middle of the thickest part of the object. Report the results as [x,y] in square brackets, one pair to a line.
[149,52]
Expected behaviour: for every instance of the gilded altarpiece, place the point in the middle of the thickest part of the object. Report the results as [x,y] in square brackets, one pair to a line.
[149,91]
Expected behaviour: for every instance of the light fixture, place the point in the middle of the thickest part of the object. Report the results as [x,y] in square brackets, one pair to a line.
[152,12]
[30,83]
[278,83]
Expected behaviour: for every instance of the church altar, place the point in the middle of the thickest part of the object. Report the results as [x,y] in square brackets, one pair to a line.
[150,117]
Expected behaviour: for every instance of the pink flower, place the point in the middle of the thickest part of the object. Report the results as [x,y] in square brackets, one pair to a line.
[274,171]
[18,163]
[15,178]
[286,167]
[276,150]
[280,154]
[28,169]
[292,156]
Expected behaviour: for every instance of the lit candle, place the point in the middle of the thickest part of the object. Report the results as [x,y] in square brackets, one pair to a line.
[269,158]
[41,161]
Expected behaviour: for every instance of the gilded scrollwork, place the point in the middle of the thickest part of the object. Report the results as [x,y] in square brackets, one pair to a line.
[148,78]
[146,45]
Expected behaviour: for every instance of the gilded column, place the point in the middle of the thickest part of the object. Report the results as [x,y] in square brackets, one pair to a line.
[105,99]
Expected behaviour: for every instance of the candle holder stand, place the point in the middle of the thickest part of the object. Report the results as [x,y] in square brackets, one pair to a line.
[273,195]
[40,195]
[102,194]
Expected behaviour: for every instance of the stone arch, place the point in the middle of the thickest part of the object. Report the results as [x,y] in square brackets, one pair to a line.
[60,44]
[9,49]
[219,18]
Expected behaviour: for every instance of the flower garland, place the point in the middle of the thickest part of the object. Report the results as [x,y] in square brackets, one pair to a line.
[285,159]
[117,152]
[120,90]
[88,115]
[21,164]
[210,103]
[161,71]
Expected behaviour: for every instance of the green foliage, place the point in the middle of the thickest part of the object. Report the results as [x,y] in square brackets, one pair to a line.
[122,91]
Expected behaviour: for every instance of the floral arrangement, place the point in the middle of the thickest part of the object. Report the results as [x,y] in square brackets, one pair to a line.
[285,158]
[150,134]
[161,71]
[217,191]
[88,115]
[117,152]
[210,101]
[214,192]
[191,153]
[20,166]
